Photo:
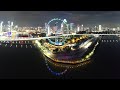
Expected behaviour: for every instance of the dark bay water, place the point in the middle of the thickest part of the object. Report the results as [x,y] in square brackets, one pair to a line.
[17,63]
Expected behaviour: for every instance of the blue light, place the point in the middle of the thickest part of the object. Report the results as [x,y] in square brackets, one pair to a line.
[55,73]
[9,33]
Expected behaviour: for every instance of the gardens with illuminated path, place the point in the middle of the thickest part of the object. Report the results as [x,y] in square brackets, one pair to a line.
[73,52]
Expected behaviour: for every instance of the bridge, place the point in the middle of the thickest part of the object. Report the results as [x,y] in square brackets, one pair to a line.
[30,39]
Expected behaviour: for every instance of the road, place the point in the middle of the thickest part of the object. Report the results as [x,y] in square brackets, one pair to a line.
[39,38]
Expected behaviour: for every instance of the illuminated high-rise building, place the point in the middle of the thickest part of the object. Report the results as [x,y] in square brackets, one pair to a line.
[11,26]
[64,28]
[95,28]
[1,26]
[48,31]
[46,27]
[78,28]
[61,25]
[118,28]
[100,27]
[82,28]
[68,29]
[71,27]
[106,28]
[113,29]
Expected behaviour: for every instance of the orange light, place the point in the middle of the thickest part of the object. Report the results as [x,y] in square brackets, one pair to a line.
[73,40]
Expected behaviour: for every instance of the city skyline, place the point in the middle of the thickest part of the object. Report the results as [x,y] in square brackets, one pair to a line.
[59,44]
[38,18]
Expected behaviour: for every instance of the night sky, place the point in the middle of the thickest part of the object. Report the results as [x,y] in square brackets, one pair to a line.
[38,18]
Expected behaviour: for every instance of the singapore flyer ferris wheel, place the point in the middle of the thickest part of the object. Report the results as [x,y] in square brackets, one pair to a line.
[54,28]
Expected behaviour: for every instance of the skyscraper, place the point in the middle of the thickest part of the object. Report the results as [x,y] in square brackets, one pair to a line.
[82,28]
[48,31]
[65,28]
[11,26]
[100,27]
[46,27]
[78,28]
[68,30]
[71,27]
[118,28]
[95,29]
[1,26]
[62,27]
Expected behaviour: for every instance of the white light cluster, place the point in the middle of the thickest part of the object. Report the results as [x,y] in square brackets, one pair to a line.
[86,46]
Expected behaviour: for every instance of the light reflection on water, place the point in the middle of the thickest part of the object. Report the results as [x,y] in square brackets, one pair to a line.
[58,69]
